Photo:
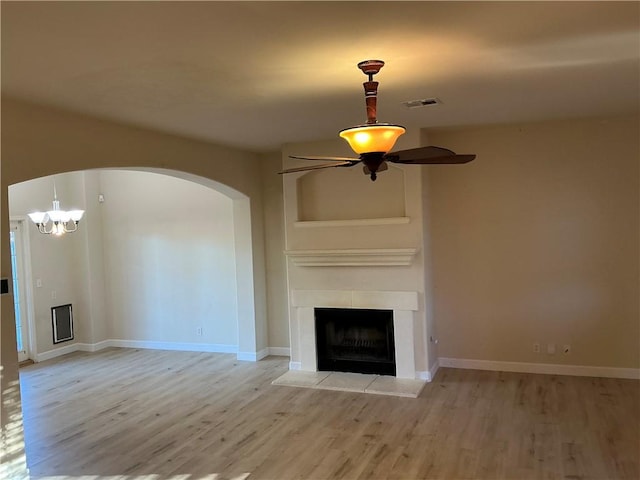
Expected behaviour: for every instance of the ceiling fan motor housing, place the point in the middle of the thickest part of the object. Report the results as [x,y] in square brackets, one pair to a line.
[372,162]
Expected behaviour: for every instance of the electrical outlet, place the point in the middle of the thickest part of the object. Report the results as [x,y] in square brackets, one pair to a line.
[199,331]
[54,295]
[551,348]
[536,348]
[566,349]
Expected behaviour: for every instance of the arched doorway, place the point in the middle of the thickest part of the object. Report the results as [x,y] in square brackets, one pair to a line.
[155,265]
[39,141]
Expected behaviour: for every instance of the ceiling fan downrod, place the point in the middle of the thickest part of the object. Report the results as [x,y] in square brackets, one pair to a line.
[370,68]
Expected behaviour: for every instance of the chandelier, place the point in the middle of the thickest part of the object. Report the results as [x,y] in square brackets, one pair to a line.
[61,221]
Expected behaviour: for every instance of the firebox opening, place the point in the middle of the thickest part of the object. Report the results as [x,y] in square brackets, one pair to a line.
[355,340]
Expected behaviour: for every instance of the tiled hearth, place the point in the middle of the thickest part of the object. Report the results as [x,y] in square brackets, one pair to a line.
[352,382]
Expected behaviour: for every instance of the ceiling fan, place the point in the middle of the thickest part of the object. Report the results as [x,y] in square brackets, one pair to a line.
[373,140]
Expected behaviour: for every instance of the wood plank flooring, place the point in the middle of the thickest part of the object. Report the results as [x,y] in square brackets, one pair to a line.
[133,414]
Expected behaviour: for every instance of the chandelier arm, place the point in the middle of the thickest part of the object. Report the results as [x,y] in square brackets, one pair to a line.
[75,224]
[42,228]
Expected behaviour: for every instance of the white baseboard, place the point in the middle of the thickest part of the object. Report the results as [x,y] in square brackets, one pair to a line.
[434,369]
[519,367]
[544,368]
[145,344]
[253,356]
[184,347]
[265,352]
[94,347]
[56,352]
[429,375]
[280,351]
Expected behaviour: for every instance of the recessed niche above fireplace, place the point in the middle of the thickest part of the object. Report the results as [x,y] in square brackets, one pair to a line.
[355,340]
[321,195]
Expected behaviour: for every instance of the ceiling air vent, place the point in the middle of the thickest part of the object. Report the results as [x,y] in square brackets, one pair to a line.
[425,102]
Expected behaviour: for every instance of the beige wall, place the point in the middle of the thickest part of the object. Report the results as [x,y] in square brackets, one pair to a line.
[93,288]
[537,241]
[169,260]
[427,251]
[274,251]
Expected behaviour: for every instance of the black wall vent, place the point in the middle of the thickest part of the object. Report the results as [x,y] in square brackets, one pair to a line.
[62,322]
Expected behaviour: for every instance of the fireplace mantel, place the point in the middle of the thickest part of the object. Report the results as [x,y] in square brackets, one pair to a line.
[371,257]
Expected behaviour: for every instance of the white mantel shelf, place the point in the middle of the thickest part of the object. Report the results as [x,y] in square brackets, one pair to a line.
[362,222]
[375,257]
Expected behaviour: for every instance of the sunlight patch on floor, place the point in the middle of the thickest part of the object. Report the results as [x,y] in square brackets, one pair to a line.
[186,476]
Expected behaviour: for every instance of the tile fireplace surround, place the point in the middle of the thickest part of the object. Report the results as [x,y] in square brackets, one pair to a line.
[403,304]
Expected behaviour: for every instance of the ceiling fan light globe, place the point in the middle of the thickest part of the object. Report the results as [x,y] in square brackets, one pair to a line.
[380,137]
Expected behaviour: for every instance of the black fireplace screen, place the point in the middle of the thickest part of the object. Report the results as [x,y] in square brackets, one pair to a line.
[355,340]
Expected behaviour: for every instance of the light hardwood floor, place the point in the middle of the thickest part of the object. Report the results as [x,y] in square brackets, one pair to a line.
[124,413]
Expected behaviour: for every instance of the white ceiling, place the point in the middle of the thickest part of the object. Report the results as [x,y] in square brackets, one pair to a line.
[256,75]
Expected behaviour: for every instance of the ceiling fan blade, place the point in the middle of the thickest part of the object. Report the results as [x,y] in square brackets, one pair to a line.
[427,156]
[449,159]
[349,163]
[327,159]
[418,153]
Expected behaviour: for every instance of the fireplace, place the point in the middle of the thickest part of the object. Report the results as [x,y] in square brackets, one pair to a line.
[357,245]
[355,340]
[402,304]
